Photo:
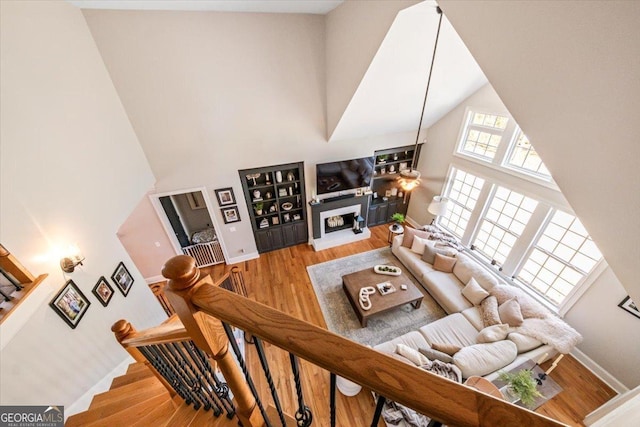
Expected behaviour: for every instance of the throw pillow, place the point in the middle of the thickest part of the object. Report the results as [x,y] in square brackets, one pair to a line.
[411,354]
[418,245]
[432,248]
[493,333]
[523,342]
[433,354]
[409,233]
[444,263]
[510,312]
[474,292]
[447,348]
[489,308]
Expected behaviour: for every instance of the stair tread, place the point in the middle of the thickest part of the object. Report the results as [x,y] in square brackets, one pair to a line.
[137,367]
[157,416]
[134,412]
[105,411]
[130,378]
[182,417]
[126,391]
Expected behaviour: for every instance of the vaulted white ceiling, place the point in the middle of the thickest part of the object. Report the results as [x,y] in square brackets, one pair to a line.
[265,6]
[390,96]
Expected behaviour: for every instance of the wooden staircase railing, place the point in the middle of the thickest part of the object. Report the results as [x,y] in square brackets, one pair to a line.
[206,310]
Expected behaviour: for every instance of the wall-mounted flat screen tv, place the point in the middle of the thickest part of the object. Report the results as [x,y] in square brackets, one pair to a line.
[344,175]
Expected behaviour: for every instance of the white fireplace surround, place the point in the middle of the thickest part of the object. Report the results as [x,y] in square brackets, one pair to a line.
[342,237]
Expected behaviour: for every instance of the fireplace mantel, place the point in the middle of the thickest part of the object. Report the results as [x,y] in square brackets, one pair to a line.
[341,206]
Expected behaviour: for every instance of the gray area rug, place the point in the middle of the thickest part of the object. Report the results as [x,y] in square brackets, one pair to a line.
[339,315]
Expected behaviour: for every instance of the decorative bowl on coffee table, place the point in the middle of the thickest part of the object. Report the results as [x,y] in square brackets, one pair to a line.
[390,270]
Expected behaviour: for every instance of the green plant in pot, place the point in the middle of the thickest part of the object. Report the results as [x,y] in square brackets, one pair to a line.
[521,384]
[258,208]
[398,218]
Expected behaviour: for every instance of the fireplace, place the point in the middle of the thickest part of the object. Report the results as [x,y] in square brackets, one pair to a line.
[333,222]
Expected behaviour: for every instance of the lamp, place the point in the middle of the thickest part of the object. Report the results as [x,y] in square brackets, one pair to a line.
[69,263]
[438,207]
[410,178]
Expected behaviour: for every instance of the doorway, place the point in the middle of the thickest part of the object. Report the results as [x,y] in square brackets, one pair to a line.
[187,220]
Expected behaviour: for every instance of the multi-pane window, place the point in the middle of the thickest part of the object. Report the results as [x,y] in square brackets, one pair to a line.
[504,221]
[482,135]
[563,255]
[463,192]
[523,156]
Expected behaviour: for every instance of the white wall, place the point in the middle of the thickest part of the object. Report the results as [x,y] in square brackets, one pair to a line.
[607,329]
[71,171]
[210,93]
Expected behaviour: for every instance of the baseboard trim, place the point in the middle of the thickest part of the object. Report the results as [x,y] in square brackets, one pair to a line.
[246,257]
[155,279]
[599,371]
[412,222]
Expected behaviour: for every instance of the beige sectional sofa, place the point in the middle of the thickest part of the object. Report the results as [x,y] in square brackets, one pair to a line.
[481,352]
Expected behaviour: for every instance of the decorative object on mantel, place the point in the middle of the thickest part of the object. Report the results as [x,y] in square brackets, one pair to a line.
[287,206]
[257,195]
[628,305]
[258,208]
[70,304]
[410,178]
[290,176]
[264,223]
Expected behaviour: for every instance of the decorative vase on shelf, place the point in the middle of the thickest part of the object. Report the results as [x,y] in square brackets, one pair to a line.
[290,176]
[278,176]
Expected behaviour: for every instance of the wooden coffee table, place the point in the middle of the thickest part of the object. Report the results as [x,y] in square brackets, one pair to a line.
[351,283]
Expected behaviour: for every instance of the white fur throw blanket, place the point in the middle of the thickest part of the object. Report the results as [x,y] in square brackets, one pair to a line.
[539,323]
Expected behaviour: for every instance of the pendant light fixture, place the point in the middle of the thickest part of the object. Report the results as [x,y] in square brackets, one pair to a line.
[410,178]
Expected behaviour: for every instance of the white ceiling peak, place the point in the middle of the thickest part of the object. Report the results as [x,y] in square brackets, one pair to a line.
[389,97]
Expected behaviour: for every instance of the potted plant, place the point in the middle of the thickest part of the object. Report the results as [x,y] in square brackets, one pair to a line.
[522,385]
[398,218]
[258,208]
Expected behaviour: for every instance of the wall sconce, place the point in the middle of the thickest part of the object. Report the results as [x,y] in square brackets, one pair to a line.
[69,263]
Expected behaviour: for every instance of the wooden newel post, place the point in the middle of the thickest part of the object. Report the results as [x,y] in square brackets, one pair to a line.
[122,330]
[208,333]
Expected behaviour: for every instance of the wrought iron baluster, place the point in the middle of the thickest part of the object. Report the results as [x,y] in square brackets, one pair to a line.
[378,412]
[6,297]
[183,382]
[267,374]
[332,398]
[245,371]
[304,417]
[14,282]
[221,390]
[189,382]
[202,387]
[153,357]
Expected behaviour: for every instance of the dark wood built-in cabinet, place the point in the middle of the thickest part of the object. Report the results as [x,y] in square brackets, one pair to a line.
[279,191]
[390,197]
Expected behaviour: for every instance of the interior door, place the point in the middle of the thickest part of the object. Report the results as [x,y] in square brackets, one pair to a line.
[174,220]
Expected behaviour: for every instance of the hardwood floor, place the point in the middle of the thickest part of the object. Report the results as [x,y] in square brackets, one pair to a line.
[279,279]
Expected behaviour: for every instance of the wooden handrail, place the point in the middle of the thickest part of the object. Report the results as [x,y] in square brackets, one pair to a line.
[170,330]
[427,393]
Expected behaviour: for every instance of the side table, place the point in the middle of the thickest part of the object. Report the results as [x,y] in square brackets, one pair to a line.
[394,232]
[546,385]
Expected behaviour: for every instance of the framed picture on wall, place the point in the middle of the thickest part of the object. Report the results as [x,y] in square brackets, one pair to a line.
[230,214]
[103,291]
[225,196]
[122,278]
[70,304]
[628,305]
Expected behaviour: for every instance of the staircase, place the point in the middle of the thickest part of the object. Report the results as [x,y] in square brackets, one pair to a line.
[138,399]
